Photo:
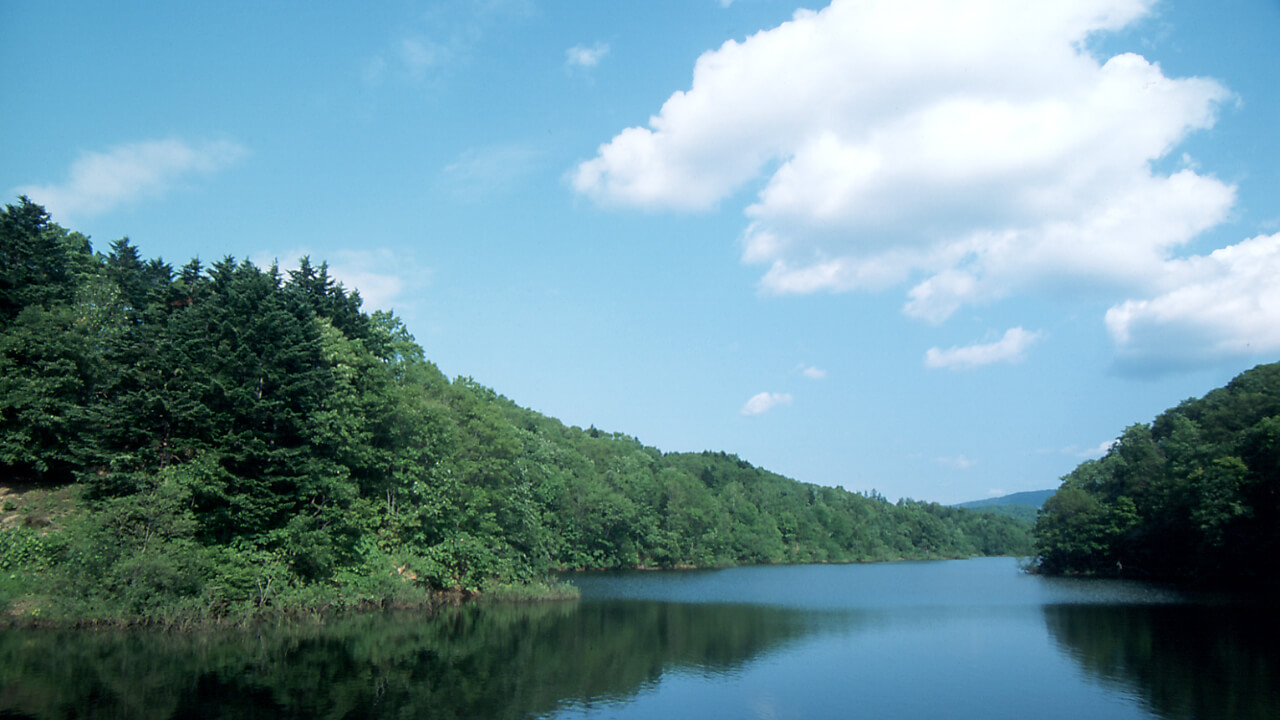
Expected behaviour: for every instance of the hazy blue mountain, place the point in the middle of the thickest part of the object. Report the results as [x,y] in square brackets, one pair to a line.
[1034,498]
[1020,506]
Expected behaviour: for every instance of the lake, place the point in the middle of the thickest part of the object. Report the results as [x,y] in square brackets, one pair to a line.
[956,639]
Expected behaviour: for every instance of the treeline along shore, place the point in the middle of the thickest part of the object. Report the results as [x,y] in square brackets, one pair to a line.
[1192,497]
[218,442]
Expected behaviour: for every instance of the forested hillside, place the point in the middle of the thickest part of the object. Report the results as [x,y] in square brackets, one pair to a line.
[1195,495]
[227,438]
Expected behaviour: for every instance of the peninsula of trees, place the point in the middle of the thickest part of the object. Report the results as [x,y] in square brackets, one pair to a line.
[1192,497]
[225,439]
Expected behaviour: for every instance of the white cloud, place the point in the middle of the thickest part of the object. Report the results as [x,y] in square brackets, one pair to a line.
[418,55]
[1010,348]
[812,372]
[958,462]
[101,181]
[478,173]
[448,33]
[969,151]
[1222,305]
[415,57]
[382,276]
[762,403]
[586,57]
[1094,452]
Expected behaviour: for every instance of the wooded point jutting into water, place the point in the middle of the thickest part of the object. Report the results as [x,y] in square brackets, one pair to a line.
[1194,496]
[213,442]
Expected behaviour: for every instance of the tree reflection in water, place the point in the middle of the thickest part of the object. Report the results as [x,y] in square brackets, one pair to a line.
[475,662]
[1183,660]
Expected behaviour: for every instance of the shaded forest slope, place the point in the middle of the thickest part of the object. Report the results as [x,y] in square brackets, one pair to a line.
[1193,496]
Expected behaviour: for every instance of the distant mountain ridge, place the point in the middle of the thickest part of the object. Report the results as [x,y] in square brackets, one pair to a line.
[1021,506]
[1034,498]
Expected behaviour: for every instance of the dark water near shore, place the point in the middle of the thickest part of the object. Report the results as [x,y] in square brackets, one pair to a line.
[963,639]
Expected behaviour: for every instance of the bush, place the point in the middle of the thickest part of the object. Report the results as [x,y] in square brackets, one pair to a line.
[29,550]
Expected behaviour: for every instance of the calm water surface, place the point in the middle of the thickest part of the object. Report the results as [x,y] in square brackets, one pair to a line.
[962,639]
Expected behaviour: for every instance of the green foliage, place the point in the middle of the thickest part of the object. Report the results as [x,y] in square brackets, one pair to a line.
[28,550]
[1193,496]
[1022,513]
[253,443]
[1076,532]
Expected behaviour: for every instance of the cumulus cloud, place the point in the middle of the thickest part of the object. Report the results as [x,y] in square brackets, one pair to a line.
[101,181]
[1224,304]
[762,403]
[967,151]
[1010,348]
[586,57]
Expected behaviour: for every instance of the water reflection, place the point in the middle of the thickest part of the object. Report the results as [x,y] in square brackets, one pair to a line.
[474,662]
[973,639]
[1182,660]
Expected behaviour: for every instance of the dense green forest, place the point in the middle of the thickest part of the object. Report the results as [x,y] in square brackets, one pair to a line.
[1194,496]
[217,440]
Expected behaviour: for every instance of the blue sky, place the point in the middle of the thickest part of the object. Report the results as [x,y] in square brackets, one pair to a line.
[942,250]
